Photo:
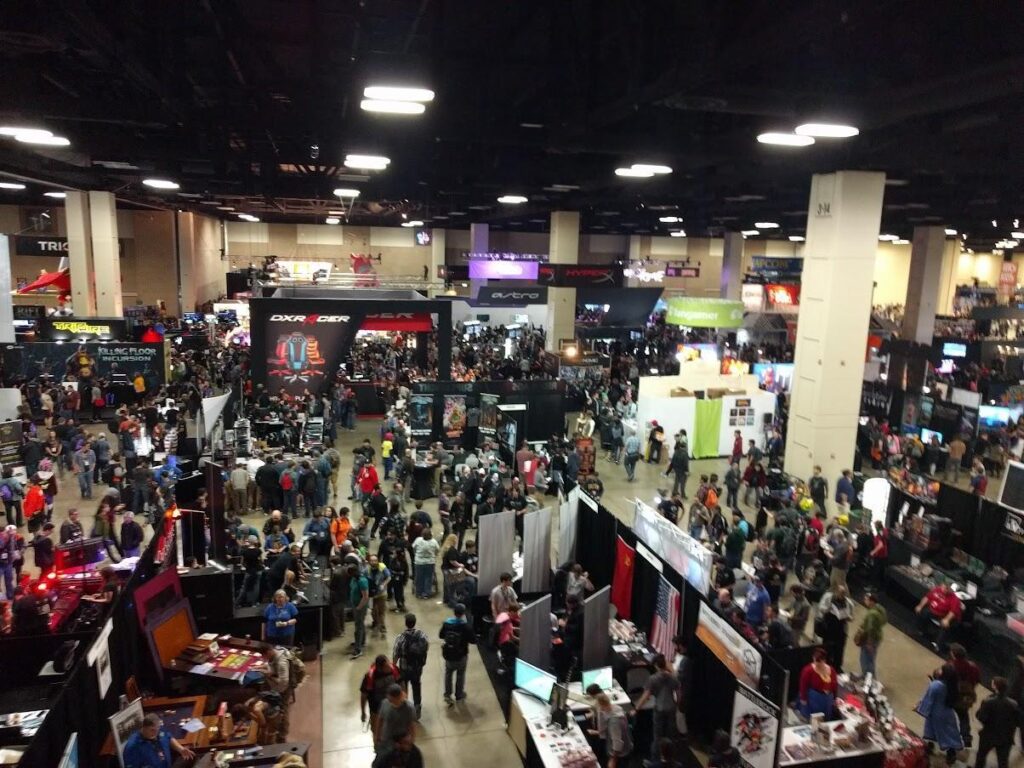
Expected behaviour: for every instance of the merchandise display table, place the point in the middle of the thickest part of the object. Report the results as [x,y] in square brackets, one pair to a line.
[234,658]
[541,744]
[254,757]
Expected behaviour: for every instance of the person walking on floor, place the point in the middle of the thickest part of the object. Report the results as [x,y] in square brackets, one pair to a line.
[999,716]
[456,636]
[410,656]
[424,560]
[84,463]
[679,466]
[359,601]
[733,479]
[632,456]
[835,611]
[936,707]
[869,634]
[968,676]
[663,687]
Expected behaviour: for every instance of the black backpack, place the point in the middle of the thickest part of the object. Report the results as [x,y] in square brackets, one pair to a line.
[453,642]
[414,650]
[309,482]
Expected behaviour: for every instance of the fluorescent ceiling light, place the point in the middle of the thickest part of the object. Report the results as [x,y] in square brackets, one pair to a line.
[750,233]
[785,139]
[1014,235]
[512,199]
[332,220]
[225,208]
[209,202]
[18,130]
[344,192]
[669,219]
[532,126]
[896,182]
[455,213]
[392,107]
[660,169]
[796,238]
[634,173]
[161,183]
[47,141]
[826,130]
[889,237]
[248,217]
[11,185]
[335,213]
[564,187]
[416,223]
[901,241]
[677,233]
[951,232]
[56,195]
[397,93]
[766,225]
[368,162]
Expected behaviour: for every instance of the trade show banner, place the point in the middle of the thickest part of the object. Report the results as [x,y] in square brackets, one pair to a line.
[755,728]
[489,415]
[453,422]
[622,580]
[496,296]
[729,646]
[585,445]
[708,425]
[421,414]
[580,275]
[684,554]
[10,443]
[82,329]
[696,312]
[301,350]
[86,360]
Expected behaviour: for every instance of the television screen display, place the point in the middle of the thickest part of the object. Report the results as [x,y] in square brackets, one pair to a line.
[993,415]
[926,435]
[1011,494]
[534,681]
[601,677]
[952,349]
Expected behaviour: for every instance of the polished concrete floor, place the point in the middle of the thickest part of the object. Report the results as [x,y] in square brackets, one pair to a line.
[471,733]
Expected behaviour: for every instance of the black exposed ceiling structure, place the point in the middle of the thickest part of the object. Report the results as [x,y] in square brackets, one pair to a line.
[229,97]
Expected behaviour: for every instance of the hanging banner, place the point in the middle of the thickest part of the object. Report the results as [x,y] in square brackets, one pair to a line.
[585,445]
[421,414]
[454,420]
[580,275]
[697,312]
[665,624]
[684,554]
[1007,279]
[82,329]
[494,296]
[776,266]
[503,270]
[755,728]
[399,321]
[622,579]
[729,646]
[488,415]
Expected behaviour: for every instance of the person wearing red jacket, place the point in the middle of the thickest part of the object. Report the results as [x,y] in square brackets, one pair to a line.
[34,504]
[941,606]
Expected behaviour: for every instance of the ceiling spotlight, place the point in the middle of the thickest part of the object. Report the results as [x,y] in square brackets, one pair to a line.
[335,213]
[56,195]
[47,141]
[414,223]
[11,185]
[344,192]
[392,107]
[161,183]
[397,93]
[901,241]
[659,169]
[677,233]
[634,173]
[995,223]
[17,130]
[669,219]
[796,238]
[750,233]
[1014,235]
[248,217]
[332,220]
[890,238]
[511,199]
[367,162]
[826,130]
[951,233]
[785,139]
[766,225]
[531,126]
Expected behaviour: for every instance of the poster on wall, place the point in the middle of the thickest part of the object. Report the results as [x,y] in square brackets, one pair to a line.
[10,443]
[511,426]
[302,350]
[59,360]
[421,414]
[742,415]
[755,728]
[729,646]
[585,446]
[488,415]
[454,420]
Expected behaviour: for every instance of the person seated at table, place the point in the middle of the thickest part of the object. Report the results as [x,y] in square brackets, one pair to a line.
[279,620]
[275,543]
[818,686]
[152,747]
[108,589]
[940,606]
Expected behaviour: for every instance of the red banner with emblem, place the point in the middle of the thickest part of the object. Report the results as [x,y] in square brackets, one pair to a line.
[622,581]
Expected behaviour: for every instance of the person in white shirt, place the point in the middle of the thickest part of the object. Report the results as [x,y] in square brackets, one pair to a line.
[584,425]
[424,558]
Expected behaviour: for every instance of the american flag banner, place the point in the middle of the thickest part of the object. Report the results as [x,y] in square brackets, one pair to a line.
[665,625]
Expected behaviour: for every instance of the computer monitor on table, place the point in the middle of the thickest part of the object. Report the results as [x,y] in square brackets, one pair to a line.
[534,681]
[601,677]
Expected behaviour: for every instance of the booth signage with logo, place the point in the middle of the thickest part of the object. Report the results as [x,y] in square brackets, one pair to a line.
[697,312]
[29,311]
[25,245]
[685,554]
[739,656]
[497,296]
[580,275]
[82,329]
[502,270]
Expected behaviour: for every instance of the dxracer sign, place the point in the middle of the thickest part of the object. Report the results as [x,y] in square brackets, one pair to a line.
[297,357]
[309,319]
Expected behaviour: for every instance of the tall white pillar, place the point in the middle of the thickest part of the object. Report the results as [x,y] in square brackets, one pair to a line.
[732,266]
[106,254]
[635,242]
[564,248]
[79,227]
[6,300]
[926,256]
[186,263]
[835,306]
[479,238]
[438,243]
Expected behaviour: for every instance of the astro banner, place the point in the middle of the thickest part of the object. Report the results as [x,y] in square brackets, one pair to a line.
[293,349]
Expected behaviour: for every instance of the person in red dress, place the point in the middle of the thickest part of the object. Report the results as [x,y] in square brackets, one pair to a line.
[818,686]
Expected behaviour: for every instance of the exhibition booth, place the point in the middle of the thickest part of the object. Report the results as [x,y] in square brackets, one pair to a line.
[708,404]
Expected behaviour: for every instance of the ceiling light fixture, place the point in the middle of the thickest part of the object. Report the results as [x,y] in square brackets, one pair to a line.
[1014,235]
[17,130]
[796,238]
[392,107]
[414,223]
[951,233]
[332,220]
[46,141]
[780,139]
[367,162]
[657,169]
[56,195]
[634,173]
[397,93]
[901,241]
[669,219]
[511,199]
[344,192]
[766,225]
[890,238]
[750,233]
[11,185]
[826,130]
[225,208]
[161,183]
[677,233]
[531,126]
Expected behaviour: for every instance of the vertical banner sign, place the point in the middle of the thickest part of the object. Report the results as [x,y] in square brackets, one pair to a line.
[1007,279]
[622,580]
[421,414]
[755,728]
[488,415]
[454,420]
[10,443]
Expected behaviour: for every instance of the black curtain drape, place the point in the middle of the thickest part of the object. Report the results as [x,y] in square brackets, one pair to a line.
[645,593]
[595,543]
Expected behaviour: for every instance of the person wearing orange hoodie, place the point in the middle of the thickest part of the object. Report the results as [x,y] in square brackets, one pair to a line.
[340,526]
[34,505]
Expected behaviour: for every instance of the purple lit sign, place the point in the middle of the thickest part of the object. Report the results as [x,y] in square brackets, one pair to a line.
[503,270]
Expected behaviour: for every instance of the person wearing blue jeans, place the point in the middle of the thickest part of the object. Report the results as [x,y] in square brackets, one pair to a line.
[869,634]
[85,462]
[424,557]
[456,636]
[359,601]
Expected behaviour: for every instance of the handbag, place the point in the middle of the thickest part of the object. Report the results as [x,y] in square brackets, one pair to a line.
[858,638]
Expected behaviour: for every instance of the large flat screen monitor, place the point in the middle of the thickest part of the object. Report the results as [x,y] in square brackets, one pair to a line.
[1011,493]
[601,677]
[951,349]
[926,435]
[535,682]
[993,415]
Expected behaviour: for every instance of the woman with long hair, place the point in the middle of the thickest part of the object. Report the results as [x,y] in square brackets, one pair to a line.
[103,527]
[941,725]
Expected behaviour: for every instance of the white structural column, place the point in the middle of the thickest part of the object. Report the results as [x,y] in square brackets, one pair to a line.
[186,263]
[79,226]
[835,307]
[6,300]
[926,256]
[438,243]
[732,266]
[564,249]
[106,254]
[479,238]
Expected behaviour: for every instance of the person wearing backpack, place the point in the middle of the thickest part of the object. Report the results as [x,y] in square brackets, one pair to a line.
[379,577]
[308,487]
[456,636]
[11,493]
[288,491]
[374,687]
[410,655]
[282,680]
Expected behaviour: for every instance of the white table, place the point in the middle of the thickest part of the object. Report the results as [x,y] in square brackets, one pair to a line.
[616,694]
[801,735]
[528,718]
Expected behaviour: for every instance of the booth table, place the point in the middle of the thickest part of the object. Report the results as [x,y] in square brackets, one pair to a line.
[423,481]
[541,744]
[235,657]
[255,757]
